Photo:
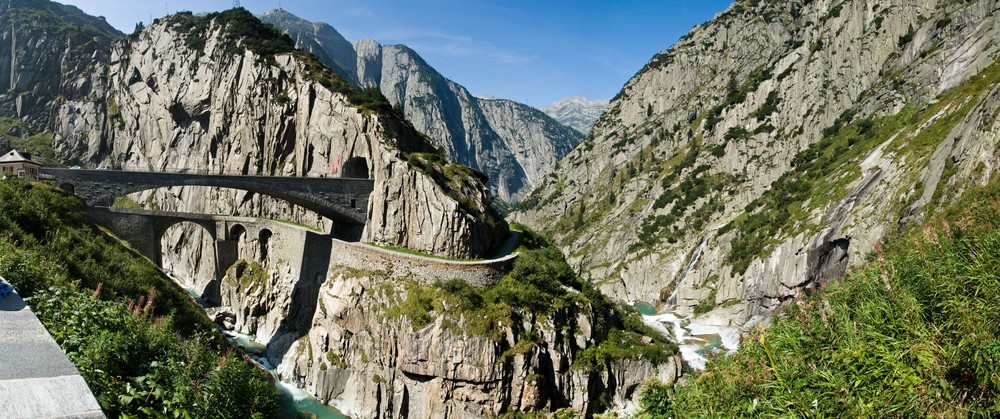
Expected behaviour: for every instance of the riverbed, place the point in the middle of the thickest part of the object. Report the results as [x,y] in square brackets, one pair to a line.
[694,338]
[295,402]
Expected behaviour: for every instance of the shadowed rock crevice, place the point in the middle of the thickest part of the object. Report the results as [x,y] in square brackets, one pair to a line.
[828,262]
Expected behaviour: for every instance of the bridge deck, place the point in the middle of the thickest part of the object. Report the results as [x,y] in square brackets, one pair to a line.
[344,200]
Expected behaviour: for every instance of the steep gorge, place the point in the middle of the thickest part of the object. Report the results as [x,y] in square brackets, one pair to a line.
[196,94]
[789,137]
[187,94]
[512,143]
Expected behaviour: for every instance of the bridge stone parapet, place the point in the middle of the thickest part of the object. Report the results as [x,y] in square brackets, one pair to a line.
[427,270]
[340,199]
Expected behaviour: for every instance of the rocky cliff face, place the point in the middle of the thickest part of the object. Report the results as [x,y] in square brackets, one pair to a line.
[320,39]
[352,340]
[773,146]
[472,131]
[189,94]
[49,53]
[576,112]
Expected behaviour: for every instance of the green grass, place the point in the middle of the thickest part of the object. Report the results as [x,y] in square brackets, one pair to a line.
[126,203]
[140,342]
[911,333]
[540,288]
[419,253]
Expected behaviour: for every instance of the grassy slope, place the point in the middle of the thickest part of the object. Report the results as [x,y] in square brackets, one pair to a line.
[143,346]
[914,332]
[540,287]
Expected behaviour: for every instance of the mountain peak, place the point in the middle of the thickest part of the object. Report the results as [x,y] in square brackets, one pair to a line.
[576,112]
[320,39]
[513,143]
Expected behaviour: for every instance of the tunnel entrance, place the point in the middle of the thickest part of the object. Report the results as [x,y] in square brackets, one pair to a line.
[356,168]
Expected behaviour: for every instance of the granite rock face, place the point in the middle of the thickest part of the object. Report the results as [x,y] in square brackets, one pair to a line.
[486,134]
[772,146]
[357,356]
[320,39]
[170,107]
[48,53]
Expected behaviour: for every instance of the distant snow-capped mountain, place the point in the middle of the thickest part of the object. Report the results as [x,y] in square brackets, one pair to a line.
[576,112]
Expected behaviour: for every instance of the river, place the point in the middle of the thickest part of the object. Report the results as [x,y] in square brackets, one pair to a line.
[694,338]
[295,402]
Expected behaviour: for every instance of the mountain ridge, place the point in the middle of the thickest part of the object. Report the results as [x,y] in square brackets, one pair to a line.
[459,122]
[711,182]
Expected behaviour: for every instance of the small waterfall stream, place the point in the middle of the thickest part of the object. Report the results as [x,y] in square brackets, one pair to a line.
[692,260]
[694,337]
[295,402]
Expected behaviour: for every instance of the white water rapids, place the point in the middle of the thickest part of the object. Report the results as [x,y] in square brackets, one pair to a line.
[694,339]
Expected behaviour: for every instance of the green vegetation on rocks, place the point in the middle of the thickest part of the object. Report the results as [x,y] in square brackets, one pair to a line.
[143,346]
[56,19]
[541,286]
[457,180]
[911,333]
[821,173]
[14,134]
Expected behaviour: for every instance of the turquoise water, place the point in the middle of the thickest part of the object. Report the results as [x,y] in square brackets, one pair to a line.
[710,343]
[645,309]
[296,403]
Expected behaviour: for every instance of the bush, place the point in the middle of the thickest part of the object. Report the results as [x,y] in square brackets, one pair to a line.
[143,347]
[912,333]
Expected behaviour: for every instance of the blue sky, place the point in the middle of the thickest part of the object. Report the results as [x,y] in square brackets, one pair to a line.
[534,52]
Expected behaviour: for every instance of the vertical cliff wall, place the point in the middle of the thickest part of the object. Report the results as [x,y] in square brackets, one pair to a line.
[207,94]
[49,53]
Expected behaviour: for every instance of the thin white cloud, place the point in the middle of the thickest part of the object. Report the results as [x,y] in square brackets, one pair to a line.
[437,43]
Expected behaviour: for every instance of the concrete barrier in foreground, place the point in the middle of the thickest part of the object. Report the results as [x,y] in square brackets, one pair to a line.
[36,378]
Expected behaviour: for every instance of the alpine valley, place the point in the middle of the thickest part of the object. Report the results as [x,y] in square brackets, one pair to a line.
[789,212]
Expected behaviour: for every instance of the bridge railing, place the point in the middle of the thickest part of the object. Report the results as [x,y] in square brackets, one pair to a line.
[184,171]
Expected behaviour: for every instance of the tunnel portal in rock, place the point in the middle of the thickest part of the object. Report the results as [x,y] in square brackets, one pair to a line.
[264,239]
[356,168]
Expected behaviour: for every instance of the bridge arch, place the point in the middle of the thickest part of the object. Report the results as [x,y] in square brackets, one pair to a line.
[187,251]
[342,200]
[237,231]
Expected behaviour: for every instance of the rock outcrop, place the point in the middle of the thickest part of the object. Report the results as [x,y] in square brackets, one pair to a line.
[49,53]
[487,135]
[189,94]
[357,353]
[773,146]
[576,112]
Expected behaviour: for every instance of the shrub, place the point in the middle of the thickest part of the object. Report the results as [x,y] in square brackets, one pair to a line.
[911,333]
[143,347]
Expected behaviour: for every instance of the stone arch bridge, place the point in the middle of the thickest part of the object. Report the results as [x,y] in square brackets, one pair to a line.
[307,250]
[343,200]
